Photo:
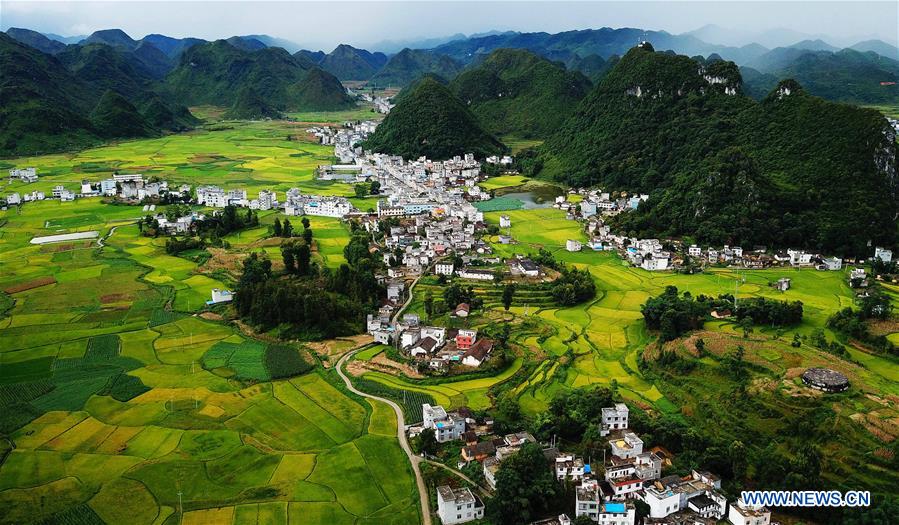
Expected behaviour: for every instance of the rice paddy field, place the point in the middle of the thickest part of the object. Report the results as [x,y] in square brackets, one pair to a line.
[119,404]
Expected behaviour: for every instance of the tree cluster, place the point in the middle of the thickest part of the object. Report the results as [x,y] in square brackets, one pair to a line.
[770,312]
[674,315]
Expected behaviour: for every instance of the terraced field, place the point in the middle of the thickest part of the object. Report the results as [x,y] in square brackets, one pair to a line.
[123,405]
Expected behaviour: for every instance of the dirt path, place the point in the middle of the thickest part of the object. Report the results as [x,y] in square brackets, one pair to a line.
[414,459]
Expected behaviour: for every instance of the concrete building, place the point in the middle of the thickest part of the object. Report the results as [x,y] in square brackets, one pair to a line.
[883,254]
[458,505]
[446,426]
[740,513]
[572,245]
[221,296]
[613,418]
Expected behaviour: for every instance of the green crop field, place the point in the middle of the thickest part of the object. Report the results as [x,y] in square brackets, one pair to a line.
[118,398]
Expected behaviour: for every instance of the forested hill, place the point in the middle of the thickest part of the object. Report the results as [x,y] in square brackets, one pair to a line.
[72,100]
[514,91]
[431,121]
[215,72]
[791,170]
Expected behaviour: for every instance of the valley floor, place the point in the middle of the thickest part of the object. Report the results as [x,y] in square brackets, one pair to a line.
[78,319]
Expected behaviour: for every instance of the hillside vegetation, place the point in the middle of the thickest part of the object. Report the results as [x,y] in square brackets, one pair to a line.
[215,72]
[792,170]
[431,121]
[517,92]
[410,64]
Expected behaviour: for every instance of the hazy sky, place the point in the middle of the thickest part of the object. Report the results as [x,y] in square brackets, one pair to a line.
[324,24]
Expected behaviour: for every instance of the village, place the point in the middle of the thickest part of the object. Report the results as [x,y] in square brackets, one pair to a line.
[606,494]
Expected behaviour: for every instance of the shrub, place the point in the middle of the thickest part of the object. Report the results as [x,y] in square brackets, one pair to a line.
[283,361]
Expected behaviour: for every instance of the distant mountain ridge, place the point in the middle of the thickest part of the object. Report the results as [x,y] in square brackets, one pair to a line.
[215,72]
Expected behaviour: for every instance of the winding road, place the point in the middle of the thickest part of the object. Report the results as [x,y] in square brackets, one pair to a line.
[414,459]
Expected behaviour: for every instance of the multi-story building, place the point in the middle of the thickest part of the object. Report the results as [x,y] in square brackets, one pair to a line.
[458,505]
[590,502]
[741,513]
[211,196]
[446,426]
[627,445]
[569,466]
[613,418]
[697,493]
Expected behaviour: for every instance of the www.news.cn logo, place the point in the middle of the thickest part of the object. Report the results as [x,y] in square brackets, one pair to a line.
[807,498]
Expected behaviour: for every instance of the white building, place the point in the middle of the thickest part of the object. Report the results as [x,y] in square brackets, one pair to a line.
[446,426]
[211,196]
[833,264]
[569,466]
[589,502]
[629,445]
[458,505]
[221,296]
[613,418]
[743,514]
[13,198]
[476,274]
[883,254]
[694,251]
[572,245]
[24,174]
[443,268]
[505,221]
[699,493]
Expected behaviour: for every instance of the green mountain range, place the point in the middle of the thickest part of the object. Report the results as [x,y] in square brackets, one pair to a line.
[409,64]
[215,72]
[349,63]
[514,91]
[72,100]
[846,75]
[36,40]
[791,170]
[433,122]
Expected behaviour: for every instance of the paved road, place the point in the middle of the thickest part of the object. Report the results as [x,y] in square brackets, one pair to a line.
[414,459]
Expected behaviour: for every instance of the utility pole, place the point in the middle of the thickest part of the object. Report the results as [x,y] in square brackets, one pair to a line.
[180,507]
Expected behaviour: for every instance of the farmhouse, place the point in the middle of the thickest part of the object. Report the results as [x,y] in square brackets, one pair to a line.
[462,310]
[458,505]
[883,254]
[672,494]
[446,426]
[570,466]
[524,267]
[477,274]
[573,246]
[443,268]
[478,353]
[740,513]
[589,502]
[613,418]
[220,296]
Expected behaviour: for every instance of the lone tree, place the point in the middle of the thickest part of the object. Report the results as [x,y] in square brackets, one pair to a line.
[307,236]
[524,488]
[287,229]
[304,256]
[508,295]
[305,222]
[277,227]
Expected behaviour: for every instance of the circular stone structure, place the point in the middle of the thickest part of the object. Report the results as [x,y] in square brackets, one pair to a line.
[825,379]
